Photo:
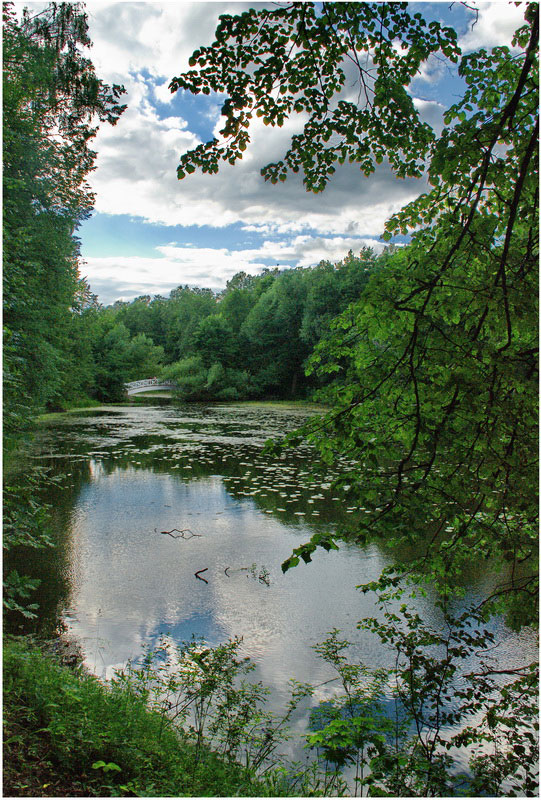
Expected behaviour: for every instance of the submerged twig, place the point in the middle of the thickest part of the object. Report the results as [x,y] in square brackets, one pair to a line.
[198,574]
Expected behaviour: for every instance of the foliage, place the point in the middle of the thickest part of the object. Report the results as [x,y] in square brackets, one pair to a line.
[252,340]
[399,726]
[52,100]
[434,368]
[119,358]
[432,374]
[436,392]
[26,524]
[67,734]
[204,691]
[351,728]
[275,62]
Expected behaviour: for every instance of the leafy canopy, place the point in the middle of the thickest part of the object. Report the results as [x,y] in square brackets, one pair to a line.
[434,368]
[299,59]
[52,103]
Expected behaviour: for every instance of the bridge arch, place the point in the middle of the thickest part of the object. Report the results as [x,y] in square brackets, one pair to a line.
[148,385]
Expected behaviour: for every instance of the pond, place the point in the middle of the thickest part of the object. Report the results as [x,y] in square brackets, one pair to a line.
[171,520]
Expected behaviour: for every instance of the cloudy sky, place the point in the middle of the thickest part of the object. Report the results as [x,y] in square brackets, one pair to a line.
[151,232]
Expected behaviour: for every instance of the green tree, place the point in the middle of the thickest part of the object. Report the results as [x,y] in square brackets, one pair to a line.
[435,368]
[120,358]
[439,392]
[272,329]
[214,341]
[52,102]
[238,299]
[181,316]
[190,376]
[330,289]
[78,375]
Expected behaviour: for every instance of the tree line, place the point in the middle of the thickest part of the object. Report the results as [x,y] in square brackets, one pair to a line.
[53,102]
[249,341]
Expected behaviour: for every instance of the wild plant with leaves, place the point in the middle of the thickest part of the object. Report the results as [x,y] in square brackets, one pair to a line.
[204,691]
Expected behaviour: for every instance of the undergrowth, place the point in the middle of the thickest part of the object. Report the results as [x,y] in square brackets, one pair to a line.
[67,734]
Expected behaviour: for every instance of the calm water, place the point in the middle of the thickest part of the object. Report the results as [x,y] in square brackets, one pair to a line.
[116,582]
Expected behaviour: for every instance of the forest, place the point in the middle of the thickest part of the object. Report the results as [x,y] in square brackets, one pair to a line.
[423,359]
[250,341]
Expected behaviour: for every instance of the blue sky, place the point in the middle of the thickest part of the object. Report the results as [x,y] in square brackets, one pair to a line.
[150,233]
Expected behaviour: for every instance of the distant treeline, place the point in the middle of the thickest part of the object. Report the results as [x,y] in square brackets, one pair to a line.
[249,341]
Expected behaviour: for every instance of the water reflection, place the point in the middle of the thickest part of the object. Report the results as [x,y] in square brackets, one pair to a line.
[116,582]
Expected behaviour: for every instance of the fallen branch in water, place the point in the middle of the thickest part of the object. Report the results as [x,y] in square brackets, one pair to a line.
[198,574]
[181,532]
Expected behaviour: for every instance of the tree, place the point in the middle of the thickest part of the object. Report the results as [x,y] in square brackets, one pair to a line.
[331,287]
[120,358]
[276,351]
[237,299]
[214,341]
[439,391]
[181,316]
[435,368]
[52,100]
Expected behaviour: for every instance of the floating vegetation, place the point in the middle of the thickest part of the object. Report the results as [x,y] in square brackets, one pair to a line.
[197,443]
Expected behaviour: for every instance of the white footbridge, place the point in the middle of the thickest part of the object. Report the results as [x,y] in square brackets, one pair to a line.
[149,385]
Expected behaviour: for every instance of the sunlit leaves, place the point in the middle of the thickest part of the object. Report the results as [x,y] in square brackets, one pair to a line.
[296,59]
[436,371]
[305,551]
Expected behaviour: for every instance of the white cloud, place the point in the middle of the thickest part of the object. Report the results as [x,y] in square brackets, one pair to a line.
[137,159]
[162,93]
[143,45]
[136,175]
[496,23]
[430,111]
[114,278]
[157,36]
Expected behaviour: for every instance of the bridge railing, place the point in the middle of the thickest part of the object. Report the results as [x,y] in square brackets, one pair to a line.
[148,382]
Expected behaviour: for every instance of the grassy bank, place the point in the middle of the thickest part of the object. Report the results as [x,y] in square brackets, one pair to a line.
[67,734]
[52,416]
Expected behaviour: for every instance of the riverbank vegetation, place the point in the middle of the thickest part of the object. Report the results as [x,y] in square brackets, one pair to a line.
[425,355]
[68,735]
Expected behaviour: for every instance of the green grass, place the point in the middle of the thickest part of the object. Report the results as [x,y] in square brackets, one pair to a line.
[67,734]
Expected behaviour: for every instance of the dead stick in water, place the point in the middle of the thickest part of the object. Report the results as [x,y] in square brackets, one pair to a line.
[198,574]
[182,532]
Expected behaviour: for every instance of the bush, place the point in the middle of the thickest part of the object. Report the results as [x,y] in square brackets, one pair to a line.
[66,734]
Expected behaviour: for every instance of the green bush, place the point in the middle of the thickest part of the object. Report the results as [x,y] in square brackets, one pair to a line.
[68,734]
